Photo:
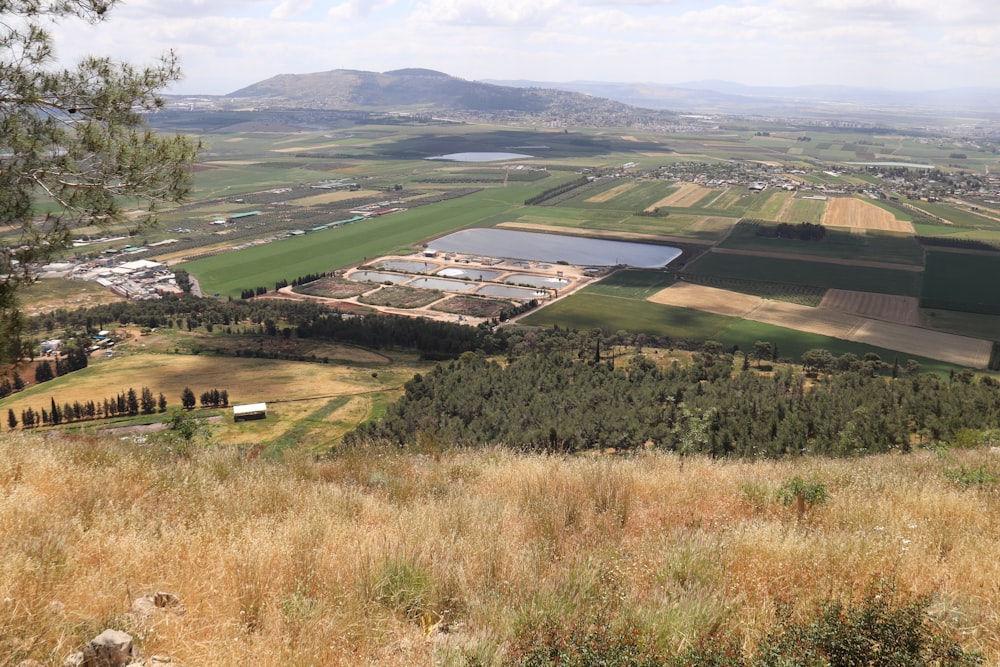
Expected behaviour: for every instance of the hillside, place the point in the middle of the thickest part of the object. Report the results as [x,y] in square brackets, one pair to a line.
[424,90]
[483,558]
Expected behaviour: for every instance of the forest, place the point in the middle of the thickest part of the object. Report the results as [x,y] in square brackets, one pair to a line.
[564,401]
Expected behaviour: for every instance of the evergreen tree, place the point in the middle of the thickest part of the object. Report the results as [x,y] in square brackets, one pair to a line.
[187,398]
[18,381]
[146,401]
[43,372]
[105,155]
[132,402]
[161,403]
[11,418]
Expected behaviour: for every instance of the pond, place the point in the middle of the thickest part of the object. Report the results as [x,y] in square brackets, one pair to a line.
[378,277]
[556,248]
[511,292]
[442,284]
[535,281]
[480,157]
[408,265]
[469,274]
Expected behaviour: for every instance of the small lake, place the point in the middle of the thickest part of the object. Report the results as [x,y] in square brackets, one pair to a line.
[535,281]
[378,277]
[480,157]
[442,284]
[511,292]
[556,248]
[406,265]
[469,274]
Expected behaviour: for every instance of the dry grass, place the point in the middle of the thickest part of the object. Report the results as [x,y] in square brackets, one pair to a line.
[859,214]
[608,195]
[394,559]
[686,195]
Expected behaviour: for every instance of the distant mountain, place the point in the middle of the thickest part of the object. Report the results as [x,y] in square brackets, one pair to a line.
[734,98]
[417,90]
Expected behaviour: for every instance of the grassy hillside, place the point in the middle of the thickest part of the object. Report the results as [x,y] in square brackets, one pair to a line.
[405,559]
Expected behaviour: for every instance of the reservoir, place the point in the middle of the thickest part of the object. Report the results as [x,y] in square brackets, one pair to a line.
[556,248]
[535,281]
[442,284]
[378,277]
[480,157]
[410,266]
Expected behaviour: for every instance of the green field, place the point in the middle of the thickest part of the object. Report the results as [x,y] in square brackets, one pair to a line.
[813,274]
[633,283]
[962,281]
[838,244]
[597,311]
[806,210]
[228,273]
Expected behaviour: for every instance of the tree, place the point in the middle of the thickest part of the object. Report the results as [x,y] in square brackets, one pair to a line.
[74,139]
[43,372]
[187,398]
[11,419]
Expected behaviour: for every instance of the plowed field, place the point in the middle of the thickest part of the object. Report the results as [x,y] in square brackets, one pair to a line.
[887,307]
[608,195]
[857,214]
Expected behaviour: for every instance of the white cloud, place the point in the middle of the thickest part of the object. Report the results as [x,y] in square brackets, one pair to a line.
[290,9]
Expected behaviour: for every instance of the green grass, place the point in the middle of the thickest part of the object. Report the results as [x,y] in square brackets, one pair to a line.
[637,284]
[806,210]
[766,205]
[976,325]
[813,274]
[226,274]
[957,215]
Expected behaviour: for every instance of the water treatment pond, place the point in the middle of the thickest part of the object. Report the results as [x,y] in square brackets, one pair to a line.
[408,265]
[469,274]
[442,284]
[511,292]
[556,248]
[378,277]
[535,281]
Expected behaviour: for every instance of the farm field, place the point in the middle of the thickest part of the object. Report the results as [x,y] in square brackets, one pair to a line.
[48,294]
[586,310]
[899,309]
[871,246]
[803,210]
[859,214]
[958,350]
[810,273]
[962,281]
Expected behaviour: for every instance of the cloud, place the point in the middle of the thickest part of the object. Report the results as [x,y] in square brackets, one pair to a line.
[492,13]
[357,9]
[290,9]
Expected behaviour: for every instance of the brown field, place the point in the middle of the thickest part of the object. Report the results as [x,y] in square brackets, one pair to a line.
[887,307]
[687,194]
[952,348]
[708,299]
[859,214]
[608,195]
[48,295]
[306,148]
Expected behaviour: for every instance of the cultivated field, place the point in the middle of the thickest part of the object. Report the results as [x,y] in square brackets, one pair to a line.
[887,307]
[959,350]
[858,214]
[686,195]
[608,195]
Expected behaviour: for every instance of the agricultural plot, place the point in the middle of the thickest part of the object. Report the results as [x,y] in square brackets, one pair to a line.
[839,244]
[962,281]
[858,214]
[401,296]
[803,210]
[767,205]
[956,215]
[887,307]
[617,197]
[809,273]
[472,306]
[609,194]
[333,288]
[686,195]
[633,283]
[958,350]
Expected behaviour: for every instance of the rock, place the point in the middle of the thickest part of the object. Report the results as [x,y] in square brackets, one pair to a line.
[148,606]
[30,663]
[74,660]
[111,648]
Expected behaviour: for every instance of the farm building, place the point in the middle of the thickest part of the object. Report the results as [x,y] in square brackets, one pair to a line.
[242,413]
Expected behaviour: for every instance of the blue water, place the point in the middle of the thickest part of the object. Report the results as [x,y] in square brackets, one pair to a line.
[480,157]
[469,274]
[556,248]
[378,277]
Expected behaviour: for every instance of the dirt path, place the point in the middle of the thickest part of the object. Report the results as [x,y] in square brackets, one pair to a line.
[822,260]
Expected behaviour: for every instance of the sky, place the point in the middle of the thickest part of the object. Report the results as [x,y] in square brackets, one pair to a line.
[224,45]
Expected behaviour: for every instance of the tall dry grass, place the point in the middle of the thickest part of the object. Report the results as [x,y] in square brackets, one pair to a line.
[380,557]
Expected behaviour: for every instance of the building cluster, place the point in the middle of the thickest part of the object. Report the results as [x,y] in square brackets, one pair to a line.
[137,279]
